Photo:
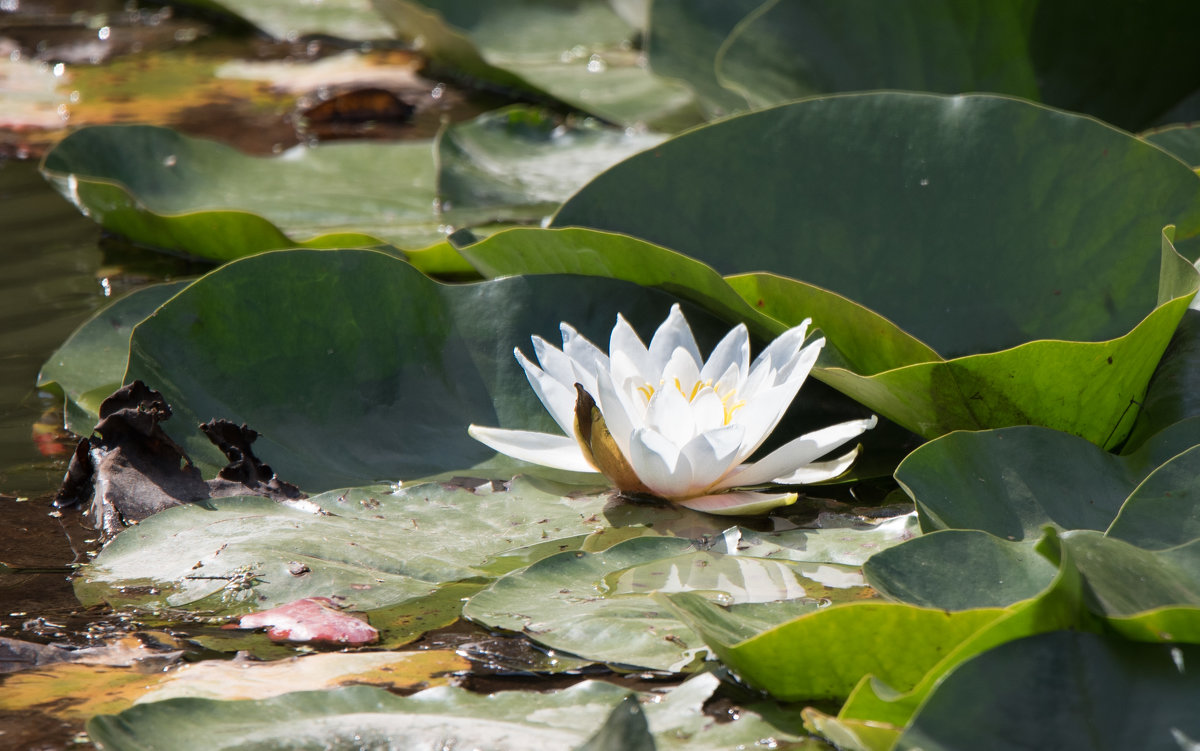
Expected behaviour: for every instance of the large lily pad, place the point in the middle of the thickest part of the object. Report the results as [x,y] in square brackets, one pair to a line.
[601,605]
[824,654]
[865,341]
[365,716]
[88,366]
[789,50]
[684,39]
[356,368]
[367,548]
[1001,197]
[1014,481]
[987,572]
[167,190]
[1021,181]
[578,51]
[1036,50]
[1070,690]
[875,712]
[1181,140]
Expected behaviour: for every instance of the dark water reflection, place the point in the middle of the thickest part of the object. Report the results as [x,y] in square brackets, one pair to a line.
[49,259]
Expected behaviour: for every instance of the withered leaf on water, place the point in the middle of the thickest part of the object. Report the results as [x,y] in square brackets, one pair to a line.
[130,468]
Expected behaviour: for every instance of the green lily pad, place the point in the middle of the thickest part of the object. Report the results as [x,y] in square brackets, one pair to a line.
[864,340]
[366,716]
[1035,50]
[625,728]
[1171,398]
[1182,141]
[601,605]
[1164,510]
[578,51]
[167,190]
[1012,482]
[957,167]
[1124,580]
[1070,690]
[836,205]
[287,19]
[790,50]
[1059,606]
[368,548]
[521,163]
[824,654]
[88,366]
[988,572]
[840,540]
[683,40]
[356,368]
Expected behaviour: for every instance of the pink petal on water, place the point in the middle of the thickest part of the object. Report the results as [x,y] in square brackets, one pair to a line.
[311,619]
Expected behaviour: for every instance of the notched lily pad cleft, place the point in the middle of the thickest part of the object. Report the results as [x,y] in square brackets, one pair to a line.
[130,468]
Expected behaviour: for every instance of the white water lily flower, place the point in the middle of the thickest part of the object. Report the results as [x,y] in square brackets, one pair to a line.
[661,420]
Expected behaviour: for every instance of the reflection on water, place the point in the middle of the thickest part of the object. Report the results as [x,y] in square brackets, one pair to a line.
[55,270]
[48,261]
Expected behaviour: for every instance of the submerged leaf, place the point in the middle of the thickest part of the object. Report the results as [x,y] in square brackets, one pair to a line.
[365,716]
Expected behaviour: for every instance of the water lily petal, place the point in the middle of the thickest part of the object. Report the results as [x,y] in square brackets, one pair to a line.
[709,411]
[628,379]
[681,372]
[660,465]
[796,453]
[670,415]
[802,363]
[738,502]
[586,357]
[732,350]
[554,361]
[820,471]
[713,453]
[558,398]
[620,415]
[555,451]
[626,341]
[673,334]
[760,414]
[784,346]
[732,381]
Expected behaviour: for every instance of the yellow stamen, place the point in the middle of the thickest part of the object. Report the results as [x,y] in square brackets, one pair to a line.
[727,399]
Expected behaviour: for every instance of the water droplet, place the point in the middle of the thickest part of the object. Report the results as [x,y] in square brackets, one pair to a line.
[104,33]
[596,64]
[170,160]
[1177,658]
[59,70]
[924,181]
[438,91]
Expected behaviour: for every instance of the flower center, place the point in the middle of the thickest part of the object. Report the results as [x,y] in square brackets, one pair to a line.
[728,399]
